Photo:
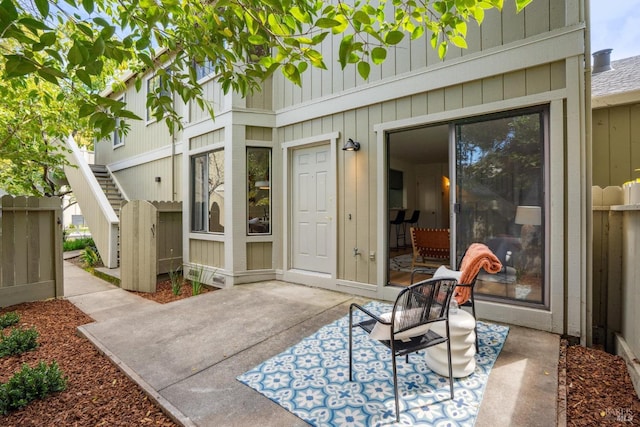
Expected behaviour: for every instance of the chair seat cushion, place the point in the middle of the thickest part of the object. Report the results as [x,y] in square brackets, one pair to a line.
[382,332]
[444,272]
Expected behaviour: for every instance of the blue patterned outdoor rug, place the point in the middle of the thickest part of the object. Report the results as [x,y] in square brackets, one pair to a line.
[311,380]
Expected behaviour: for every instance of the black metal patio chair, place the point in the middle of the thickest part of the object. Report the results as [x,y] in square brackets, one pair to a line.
[415,309]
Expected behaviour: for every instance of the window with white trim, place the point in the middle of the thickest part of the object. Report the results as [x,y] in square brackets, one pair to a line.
[203,68]
[207,192]
[157,84]
[258,190]
[117,138]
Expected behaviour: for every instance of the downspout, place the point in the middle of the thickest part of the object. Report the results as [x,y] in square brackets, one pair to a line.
[173,163]
[589,176]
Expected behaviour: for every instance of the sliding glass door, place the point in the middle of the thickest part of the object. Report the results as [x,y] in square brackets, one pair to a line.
[499,200]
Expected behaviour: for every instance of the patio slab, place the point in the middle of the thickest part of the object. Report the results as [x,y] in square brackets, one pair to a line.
[187,354]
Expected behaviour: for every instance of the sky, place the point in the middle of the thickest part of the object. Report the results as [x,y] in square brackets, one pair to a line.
[615,24]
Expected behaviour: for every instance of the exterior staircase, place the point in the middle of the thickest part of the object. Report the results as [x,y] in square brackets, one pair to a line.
[109,187]
[99,199]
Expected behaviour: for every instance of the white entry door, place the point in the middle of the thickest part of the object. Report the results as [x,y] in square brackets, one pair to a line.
[311,216]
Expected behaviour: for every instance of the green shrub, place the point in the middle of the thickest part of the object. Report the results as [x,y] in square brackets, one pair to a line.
[9,319]
[197,276]
[176,281]
[18,341]
[77,244]
[175,276]
[30,384]
[90,256]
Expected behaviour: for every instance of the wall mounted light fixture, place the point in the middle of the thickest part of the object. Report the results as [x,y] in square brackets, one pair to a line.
[351,145]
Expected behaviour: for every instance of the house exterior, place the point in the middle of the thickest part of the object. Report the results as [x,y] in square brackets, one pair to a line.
[489,143]
[615,102]
[615,117]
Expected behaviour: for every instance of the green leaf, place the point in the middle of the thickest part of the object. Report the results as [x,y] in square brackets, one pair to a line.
[98,47]
[75,54]
[417,33]
[128,115]
[363,69]
[88,6]
[362,18]
[86,110]
[291,73]
[521,4]
[85,29]
[48,39]
[327,23]
[33,24]
[107,126]
[18,65]
[8,10]
[101,21]
[55,54]
[305,18]
[84,77]
[43,7]
[378,55]
[394,37]
[345,50]
[45,74]
[257,39]
[442,50]
[459,41]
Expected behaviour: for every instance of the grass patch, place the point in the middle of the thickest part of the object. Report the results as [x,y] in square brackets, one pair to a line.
[77,244]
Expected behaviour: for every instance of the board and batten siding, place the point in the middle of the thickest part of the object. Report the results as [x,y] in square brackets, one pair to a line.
[259,255]
[140,180]
[206,252]
[212,92]
[498,29]
[616,144]
[210,138]
[142,137]
[357,191]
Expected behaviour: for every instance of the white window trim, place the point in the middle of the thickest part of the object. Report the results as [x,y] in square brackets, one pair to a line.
[121,139]
[149,119]
[201,153]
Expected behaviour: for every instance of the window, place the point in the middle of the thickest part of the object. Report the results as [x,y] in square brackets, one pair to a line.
[207,183]
[500,196]
[203,68]
[118,140]
[258,190]
[158,86]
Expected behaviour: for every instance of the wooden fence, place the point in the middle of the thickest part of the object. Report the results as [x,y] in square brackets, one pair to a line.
[30,249]
[150,242]
[616,276]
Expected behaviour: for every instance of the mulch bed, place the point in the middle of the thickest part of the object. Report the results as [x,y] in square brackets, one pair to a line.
[599,391]
[98,393]
[164,293]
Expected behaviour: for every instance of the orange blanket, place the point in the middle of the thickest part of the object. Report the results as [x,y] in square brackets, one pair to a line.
[477,256]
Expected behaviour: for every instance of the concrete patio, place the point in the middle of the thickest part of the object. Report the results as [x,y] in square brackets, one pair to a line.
[186,354]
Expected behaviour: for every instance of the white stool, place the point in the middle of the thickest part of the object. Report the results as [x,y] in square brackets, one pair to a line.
[463,346]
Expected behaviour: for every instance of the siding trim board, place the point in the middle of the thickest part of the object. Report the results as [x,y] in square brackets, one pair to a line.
[550,47]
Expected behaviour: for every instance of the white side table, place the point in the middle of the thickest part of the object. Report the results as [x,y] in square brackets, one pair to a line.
[463,346]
